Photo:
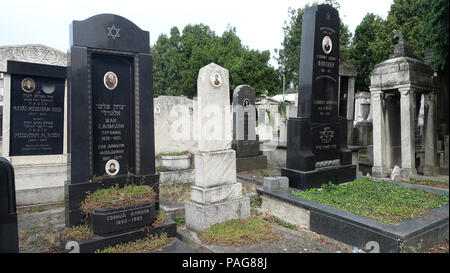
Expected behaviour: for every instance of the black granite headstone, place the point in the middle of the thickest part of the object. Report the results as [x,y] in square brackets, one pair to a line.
[111,132]
[37,108]
[245,140]
[9,238]
[316,140]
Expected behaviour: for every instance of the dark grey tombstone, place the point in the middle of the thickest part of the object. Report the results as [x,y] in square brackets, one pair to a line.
[110,109]
[245,141]
[37,108]
[316,143]
[9,238]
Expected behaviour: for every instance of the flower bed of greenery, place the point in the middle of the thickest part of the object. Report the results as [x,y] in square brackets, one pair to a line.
[429,182]
[175,154]
[149,244]
[115,197]
[81,232]
[252,230]
[386,202]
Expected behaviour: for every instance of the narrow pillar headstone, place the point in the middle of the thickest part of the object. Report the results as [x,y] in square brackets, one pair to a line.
[216,196]
[245,141]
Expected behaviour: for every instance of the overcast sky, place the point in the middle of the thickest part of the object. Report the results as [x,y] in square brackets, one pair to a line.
[258,23]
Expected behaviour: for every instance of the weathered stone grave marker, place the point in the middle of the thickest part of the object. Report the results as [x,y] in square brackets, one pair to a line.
[395,85]
[34,121]
[316,144]
[216,196]
[111,121]
[9,236]
[245,140]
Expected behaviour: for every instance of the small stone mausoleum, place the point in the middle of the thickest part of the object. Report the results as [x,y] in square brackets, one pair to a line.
[396,85]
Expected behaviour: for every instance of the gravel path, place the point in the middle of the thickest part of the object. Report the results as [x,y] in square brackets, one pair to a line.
[39,231]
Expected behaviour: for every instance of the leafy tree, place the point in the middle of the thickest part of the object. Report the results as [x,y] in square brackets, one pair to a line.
[371,45]
[289,55]
[408,16]
[422,23]
[437,24]
[177,60]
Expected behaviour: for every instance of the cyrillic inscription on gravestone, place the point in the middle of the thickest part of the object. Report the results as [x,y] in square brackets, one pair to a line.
[37,115]
[112,106]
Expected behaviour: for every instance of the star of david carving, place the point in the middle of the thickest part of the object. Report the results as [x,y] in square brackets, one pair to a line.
[113,32]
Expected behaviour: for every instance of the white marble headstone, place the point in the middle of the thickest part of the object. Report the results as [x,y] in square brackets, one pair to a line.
[214,116]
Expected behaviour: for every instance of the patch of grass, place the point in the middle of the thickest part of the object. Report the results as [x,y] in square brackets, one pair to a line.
[382,201]
[81,232]
[161,218]
[429,182]
[275,220]
[180,221]
[115,197]
[39,240]
[252,230]
[255,202]
[161,169]
[149,244]
[176,193]
[175,153]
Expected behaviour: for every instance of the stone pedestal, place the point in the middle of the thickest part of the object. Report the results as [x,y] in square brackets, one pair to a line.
[200,216]
[216,196]
[364,133]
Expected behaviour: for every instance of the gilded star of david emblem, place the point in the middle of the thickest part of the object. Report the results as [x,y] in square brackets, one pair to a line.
[113,32]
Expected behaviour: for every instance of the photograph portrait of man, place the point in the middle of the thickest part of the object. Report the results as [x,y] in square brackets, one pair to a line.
[110,80]
[28,85]
[112,167]
[326,45]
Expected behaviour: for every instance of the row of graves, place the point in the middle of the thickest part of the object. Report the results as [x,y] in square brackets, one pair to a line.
[97,115]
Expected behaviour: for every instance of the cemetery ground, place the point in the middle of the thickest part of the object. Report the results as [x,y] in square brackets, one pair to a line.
[40,227]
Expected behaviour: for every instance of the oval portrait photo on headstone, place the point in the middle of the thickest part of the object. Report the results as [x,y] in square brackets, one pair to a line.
[246,104]
[112,167]
[28,85]
[327,45]
[110,80]
[216,79]
[48,88]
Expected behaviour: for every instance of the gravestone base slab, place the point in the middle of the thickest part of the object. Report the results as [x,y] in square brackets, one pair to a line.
[77,192]
[199,217]
[101,242]
[251,163]
[246,148]
[315,179]
[216,194]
